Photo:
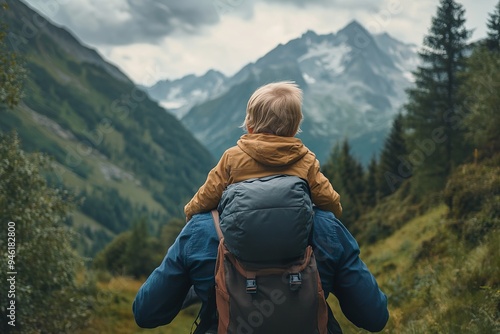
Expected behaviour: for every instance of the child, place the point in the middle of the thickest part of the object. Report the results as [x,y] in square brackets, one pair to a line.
[273,117]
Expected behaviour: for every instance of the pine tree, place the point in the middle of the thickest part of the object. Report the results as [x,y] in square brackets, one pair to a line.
[481,87]
[331,170]
[346,175]
[371,188]
[352,175]
[394,168]
[433,108]
[493,38]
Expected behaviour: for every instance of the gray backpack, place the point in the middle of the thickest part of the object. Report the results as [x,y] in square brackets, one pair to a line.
[266,278]
[267,219]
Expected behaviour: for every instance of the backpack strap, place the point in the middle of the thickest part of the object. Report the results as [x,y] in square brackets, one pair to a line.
[215,216]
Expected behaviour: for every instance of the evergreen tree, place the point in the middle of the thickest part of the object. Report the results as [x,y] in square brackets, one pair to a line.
[331,170]
[371,188]
[493,38]
[351,173]
[433,104]
[481,87]
[393,168]
[346,175]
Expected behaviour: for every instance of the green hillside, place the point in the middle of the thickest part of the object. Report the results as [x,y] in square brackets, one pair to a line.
[441,273]
[122,155]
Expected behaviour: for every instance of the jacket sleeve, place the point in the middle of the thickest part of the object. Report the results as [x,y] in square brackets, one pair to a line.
[344,274]
[360,298]
[189,262]
[210,193]
[322,192]
[160,298]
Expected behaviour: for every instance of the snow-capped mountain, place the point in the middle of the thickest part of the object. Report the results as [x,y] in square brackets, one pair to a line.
[354,83]
[180,95]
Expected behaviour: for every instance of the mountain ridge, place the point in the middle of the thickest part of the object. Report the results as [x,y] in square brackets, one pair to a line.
[353,82]
[65,38]
[123,156]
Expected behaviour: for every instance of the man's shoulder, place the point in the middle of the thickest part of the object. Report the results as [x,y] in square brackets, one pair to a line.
[326,225]
[199,221]
[199,236]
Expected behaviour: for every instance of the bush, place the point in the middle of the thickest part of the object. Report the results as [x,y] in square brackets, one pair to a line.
[49,297]
[130,253]
[473,197]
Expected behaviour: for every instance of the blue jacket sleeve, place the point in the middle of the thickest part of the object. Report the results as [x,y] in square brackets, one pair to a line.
[160,298]
[189,261]
[346,276]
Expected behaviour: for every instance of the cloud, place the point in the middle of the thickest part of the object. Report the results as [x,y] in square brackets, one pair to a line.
[339,4]
[123,22]
[119,22]
[153,40]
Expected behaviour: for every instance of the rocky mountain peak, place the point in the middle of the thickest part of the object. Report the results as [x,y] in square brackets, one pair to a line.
[353,85]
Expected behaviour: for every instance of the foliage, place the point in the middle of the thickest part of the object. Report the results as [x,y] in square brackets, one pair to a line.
[481,87]
[170,231]
[92,120]
[452,283]
[473,196]
[433,106]
[389,215]
[393,169]
[371,186]
[107,206]
[49,298]
[12,72]
[133,252]
[346,175]
[113,311]
[493,24]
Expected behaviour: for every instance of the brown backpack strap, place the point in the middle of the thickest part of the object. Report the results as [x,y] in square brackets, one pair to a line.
[215,215]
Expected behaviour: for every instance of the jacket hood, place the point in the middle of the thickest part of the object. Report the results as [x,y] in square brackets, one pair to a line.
[272,150]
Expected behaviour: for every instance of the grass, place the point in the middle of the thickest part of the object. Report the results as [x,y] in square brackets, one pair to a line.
[434,281]
[114,313]
[398,250]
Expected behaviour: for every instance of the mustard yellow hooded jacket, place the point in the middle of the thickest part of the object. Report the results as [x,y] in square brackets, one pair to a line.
[258,155]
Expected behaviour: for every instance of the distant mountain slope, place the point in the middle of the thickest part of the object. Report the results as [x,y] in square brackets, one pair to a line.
[180,95]
[353,85]
[122,154]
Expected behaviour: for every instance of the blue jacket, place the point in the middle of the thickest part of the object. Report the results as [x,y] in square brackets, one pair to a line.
[190,261]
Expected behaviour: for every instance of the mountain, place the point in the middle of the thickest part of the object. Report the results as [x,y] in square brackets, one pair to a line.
[121,154]
[353,86]
[180,95]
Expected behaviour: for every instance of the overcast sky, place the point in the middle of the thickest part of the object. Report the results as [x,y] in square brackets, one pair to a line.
[152,40]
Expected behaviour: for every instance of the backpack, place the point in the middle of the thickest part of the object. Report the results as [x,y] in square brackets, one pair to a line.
[266,278]
[267,219]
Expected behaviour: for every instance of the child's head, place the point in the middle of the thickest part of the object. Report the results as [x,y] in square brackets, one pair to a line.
[275,108]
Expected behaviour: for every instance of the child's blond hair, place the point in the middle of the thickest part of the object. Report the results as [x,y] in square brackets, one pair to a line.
[275,108]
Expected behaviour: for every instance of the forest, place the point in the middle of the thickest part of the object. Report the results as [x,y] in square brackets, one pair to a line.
[425,211]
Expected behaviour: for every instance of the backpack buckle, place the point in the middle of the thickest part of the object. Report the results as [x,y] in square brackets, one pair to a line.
[295,281]
[251,285]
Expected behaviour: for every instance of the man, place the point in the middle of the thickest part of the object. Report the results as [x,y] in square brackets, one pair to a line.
[190,262]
